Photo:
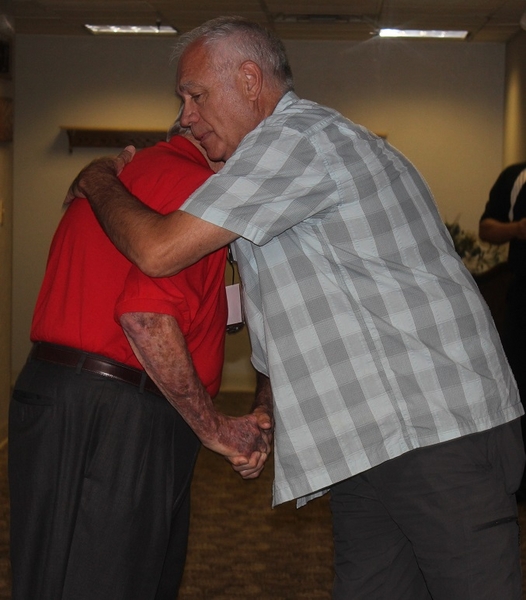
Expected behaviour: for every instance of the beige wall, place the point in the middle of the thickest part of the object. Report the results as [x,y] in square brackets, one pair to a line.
[440,103]
[515,113]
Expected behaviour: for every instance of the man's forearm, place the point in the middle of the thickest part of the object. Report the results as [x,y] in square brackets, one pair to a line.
[129,223]
[136,230]
[497,232]
[263,398]
[160,347]
[160,245]
[125,220]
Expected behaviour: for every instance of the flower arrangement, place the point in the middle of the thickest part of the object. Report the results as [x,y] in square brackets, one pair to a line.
[478,256]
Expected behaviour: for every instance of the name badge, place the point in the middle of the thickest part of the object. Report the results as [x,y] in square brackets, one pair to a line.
[235,319]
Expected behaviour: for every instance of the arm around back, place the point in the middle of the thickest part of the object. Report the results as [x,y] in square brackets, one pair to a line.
[160,245]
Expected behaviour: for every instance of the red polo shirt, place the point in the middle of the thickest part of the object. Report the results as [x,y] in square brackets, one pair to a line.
[88,283]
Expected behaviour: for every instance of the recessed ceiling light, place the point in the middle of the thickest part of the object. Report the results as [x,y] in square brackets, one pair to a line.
[132,29]
[422,33]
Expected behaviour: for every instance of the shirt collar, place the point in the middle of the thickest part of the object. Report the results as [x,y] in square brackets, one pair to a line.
[286,100]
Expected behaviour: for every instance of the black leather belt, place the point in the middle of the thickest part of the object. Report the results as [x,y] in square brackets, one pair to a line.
[93,363]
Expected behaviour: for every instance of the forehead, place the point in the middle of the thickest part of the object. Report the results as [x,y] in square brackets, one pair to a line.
[195,67]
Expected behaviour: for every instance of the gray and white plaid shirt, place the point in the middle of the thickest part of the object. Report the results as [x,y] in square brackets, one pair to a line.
[374,335]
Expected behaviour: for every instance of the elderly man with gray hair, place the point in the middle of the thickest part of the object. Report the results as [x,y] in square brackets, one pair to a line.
[391,389]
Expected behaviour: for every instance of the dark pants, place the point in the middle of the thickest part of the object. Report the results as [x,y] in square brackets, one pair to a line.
[99,480]
[438,522]
[514,338]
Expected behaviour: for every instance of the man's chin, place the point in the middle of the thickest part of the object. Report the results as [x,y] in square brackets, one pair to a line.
[214,154]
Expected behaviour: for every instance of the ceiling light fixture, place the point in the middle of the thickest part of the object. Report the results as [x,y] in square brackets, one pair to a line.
[132,29]
[321,19]
[423,33]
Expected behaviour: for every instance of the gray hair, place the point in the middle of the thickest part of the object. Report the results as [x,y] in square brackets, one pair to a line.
[252,42]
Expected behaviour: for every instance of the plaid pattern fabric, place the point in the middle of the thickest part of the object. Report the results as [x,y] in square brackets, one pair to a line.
[374,335]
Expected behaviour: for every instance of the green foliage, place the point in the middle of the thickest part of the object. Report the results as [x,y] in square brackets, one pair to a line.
[478,256]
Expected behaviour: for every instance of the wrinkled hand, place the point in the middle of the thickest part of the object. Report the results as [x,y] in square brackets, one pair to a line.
[96,171]
[250,467]
[246,442]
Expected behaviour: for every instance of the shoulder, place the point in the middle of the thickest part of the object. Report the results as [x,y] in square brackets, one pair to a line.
[510,174]
[164,175]
[301,116]
[155,164]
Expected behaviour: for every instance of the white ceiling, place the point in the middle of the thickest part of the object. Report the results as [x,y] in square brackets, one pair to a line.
[356,20]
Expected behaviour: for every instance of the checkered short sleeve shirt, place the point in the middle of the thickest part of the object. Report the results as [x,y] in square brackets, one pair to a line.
[374,335]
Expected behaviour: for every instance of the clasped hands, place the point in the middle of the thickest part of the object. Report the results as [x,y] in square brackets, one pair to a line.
[246,442]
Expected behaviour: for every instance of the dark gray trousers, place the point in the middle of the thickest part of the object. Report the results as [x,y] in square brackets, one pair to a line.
[438,522]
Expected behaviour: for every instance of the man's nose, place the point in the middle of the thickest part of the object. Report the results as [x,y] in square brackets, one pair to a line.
[188,116]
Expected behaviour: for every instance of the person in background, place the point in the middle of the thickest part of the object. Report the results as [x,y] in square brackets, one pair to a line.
[390,387]
[503,221]
[100,463]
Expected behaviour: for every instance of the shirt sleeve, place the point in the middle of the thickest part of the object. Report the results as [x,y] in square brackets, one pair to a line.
[498,205]
[276,179]
[162,296]
[196,299]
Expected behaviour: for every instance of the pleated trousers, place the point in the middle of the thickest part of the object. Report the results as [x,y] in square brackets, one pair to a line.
[99,477]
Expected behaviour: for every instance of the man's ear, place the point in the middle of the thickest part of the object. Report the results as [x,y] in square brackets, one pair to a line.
[252,79]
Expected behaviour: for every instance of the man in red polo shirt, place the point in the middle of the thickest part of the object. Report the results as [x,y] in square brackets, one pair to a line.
[100,463]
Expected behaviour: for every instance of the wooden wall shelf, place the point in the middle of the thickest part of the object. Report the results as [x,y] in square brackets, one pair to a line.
[87,137]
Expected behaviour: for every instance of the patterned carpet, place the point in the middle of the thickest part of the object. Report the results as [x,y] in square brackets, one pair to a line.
[240,548]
